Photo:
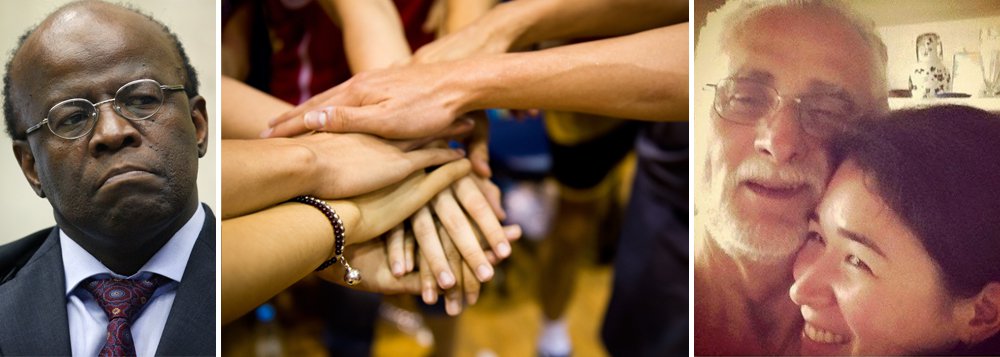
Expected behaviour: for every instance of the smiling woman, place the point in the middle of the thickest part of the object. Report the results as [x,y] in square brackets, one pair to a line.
[902,253]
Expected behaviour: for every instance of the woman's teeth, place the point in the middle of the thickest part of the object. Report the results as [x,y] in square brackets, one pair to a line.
[822,336]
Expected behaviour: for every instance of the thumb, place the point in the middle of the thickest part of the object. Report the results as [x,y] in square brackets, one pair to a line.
[329,118]
[408,284]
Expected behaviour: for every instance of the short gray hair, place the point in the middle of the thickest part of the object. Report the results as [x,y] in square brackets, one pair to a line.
[722,24]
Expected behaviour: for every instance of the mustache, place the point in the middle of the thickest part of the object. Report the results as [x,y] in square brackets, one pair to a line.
[758,170]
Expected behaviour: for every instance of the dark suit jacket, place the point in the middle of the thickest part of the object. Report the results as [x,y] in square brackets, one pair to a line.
[33,317]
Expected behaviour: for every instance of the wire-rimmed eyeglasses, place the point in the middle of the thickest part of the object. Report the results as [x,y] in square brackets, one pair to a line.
[746,101]
[136,100]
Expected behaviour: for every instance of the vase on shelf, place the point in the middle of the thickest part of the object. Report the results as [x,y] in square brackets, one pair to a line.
[989,49]
[929,75]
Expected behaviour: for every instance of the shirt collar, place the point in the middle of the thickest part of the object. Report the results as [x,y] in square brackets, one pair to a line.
[169,261]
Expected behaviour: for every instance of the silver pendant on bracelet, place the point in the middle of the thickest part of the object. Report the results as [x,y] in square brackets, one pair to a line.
[351,276]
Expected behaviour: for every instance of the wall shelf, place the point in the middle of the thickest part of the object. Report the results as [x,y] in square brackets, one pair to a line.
[989,104]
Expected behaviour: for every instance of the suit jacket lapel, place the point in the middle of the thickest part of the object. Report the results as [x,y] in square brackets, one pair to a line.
[190,328]
[33,318]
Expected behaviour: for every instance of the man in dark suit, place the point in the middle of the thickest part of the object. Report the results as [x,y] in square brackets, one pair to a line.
[102,105]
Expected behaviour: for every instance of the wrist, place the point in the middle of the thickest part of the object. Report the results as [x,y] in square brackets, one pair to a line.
[484,82]
[351,276]
[458,85]
[505,24]
[307,175]
[351,216]
[520,20]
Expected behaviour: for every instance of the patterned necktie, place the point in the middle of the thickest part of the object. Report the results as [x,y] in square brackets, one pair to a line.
[122,300]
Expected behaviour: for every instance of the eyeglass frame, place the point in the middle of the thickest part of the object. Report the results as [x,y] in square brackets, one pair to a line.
[117,108]
[854,115]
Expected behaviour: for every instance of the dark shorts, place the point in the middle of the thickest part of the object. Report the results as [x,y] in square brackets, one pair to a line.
[586,164]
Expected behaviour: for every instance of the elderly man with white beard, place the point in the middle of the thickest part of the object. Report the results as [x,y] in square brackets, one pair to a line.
[780,78]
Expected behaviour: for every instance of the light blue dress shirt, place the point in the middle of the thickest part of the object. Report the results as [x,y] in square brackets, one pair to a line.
[88,323]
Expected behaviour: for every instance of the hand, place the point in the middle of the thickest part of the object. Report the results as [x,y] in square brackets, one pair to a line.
[468,289]
[465,233]
[486,35]
[471,239]
[396,103]
[464,289]
[478,144]
[369,258]
[261,173]
[379,211]
[468,286]
[400,250]
[343,163]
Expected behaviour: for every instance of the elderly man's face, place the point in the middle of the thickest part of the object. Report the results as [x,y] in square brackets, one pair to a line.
[765,176]
[123,177]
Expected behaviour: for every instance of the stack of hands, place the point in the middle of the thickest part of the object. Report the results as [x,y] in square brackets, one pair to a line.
[450,245]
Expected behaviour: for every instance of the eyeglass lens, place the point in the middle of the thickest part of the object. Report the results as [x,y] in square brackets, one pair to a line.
[135,101]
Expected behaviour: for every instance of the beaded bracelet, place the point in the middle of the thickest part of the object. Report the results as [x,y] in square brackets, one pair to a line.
[351,276]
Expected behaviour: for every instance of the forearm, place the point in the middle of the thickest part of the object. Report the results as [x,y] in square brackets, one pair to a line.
[373,34]
[263,172]
[236,43]
[462,12]
[527,22]
[246,110]
[266,252]
[640,76]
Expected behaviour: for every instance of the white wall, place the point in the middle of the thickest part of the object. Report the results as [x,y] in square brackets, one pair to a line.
[194,22]
[955,35]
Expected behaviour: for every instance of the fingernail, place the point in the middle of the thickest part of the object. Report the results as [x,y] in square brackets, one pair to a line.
[316,120]
[428,297]
[453,307]
[460,151]
[471,298]
[397,268]
[266,133]
[446,280]
[503,249]
[485,272]
[512,231]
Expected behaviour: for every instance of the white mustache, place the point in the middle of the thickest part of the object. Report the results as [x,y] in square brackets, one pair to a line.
[789,176]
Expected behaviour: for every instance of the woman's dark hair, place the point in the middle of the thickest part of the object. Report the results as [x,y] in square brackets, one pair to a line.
[938,168]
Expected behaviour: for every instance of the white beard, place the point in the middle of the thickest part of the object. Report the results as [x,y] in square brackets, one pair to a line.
[751,240]
[737,235]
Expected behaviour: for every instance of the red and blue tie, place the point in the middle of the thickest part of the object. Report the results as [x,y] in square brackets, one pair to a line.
[122,300]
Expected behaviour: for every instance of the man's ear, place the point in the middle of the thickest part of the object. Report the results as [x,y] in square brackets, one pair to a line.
[199,115]
[981,315]
[26,159]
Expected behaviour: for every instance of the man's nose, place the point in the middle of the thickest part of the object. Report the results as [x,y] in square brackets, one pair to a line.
[112,131]
[780,136]
[814,278]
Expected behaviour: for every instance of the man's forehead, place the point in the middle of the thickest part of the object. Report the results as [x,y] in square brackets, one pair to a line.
[797,61]
[91,36]
[91,30]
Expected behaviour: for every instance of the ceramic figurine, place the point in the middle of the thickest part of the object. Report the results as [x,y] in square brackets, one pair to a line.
[929,75]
